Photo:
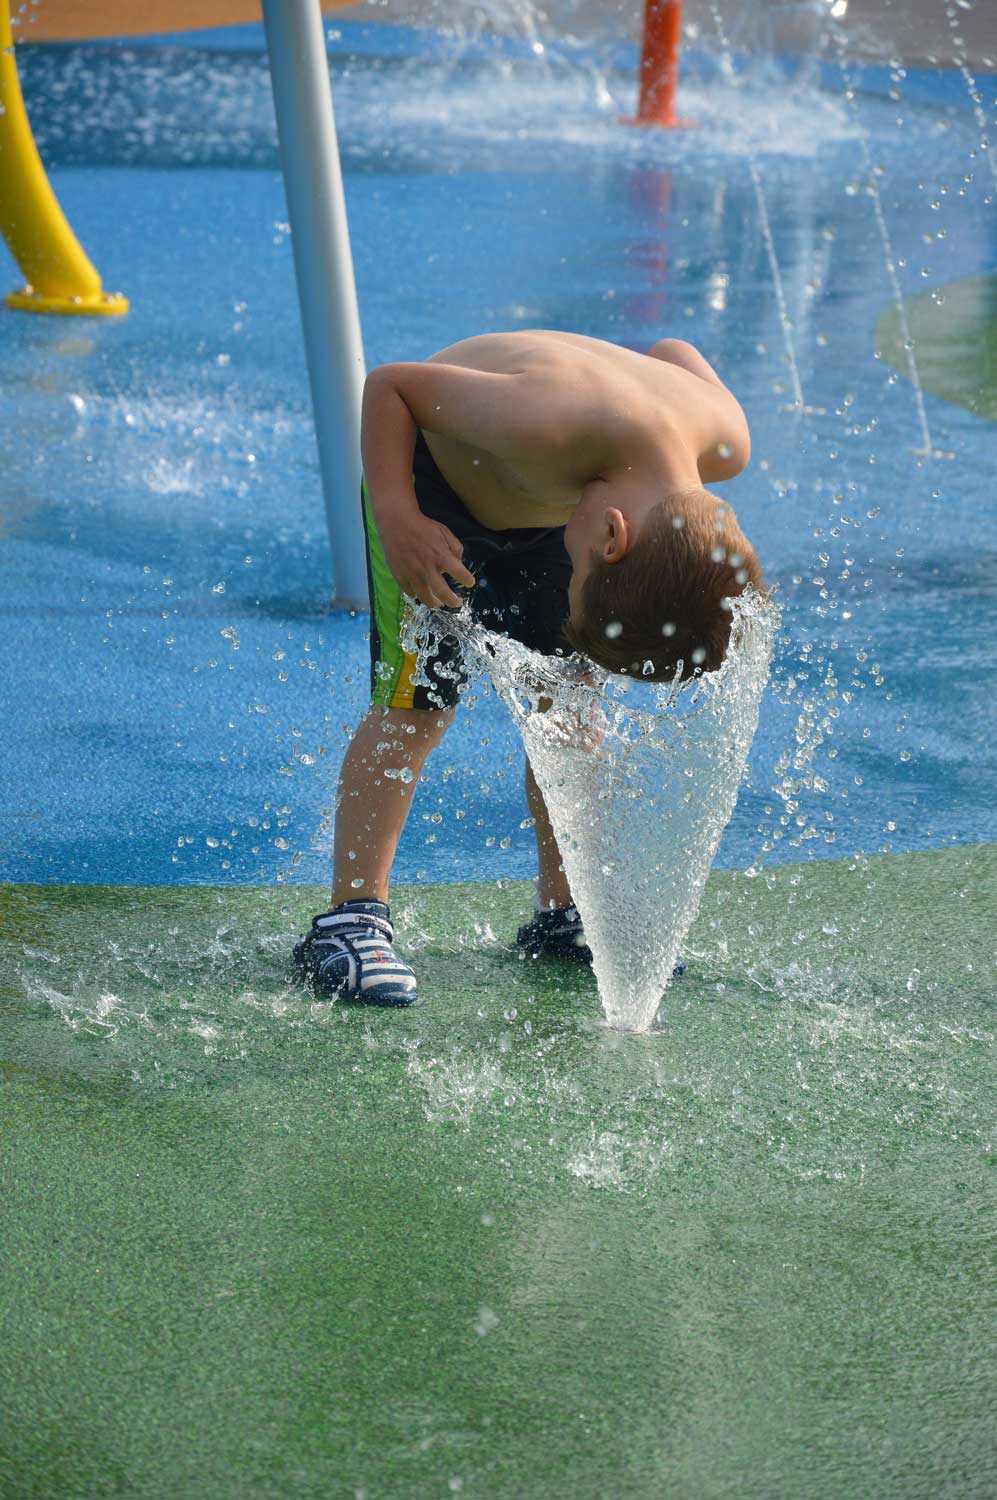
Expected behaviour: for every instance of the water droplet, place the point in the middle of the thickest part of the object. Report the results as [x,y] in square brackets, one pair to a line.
[484,1322]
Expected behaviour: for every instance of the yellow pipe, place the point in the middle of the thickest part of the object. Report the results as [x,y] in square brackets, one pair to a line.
[60,278]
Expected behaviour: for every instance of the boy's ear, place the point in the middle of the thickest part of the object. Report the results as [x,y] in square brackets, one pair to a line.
[617,538]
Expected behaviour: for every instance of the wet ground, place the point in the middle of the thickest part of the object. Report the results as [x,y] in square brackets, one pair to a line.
[263,1246]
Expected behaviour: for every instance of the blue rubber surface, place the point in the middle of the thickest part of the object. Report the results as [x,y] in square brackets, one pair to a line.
[177,687]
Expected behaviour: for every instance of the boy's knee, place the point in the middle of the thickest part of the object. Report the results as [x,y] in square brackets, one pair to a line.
[420,722]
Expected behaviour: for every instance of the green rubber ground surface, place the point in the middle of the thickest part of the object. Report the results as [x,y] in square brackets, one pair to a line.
[254,1246]
[954,332]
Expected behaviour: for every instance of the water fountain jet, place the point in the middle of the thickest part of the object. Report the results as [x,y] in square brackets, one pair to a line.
[640,780]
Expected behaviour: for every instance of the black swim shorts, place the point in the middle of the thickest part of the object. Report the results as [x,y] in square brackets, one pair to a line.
[522,591]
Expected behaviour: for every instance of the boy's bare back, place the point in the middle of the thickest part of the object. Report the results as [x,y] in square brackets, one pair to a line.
[520,423]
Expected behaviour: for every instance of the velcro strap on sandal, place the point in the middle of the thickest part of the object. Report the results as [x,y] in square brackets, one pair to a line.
[337,923]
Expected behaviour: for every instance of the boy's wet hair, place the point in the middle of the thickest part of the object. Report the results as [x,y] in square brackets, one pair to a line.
[667,600]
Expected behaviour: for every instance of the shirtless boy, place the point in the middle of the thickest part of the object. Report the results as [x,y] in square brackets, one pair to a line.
[560,479]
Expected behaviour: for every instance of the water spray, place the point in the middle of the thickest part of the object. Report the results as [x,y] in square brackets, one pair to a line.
[640,781]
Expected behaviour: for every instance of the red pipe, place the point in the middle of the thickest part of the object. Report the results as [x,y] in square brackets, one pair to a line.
[659,62]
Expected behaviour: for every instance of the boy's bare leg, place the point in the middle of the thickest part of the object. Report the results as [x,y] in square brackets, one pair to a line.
[552,886]
[372,807]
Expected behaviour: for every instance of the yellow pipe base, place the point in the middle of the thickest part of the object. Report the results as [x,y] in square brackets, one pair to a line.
[93,305]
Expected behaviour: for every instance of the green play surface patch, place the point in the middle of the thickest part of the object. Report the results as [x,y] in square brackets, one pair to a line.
[257,1246]
[954,333]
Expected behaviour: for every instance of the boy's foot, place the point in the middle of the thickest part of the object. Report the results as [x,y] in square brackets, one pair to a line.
[348,953]
[555,933]
[560,933]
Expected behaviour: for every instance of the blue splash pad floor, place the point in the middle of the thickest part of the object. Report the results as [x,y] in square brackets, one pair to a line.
[179,688]
[258,1246]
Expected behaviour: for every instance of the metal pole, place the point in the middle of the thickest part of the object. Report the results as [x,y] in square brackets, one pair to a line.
[299,74]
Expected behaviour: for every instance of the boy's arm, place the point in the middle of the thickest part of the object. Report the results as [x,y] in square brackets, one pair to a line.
[506,414]
[418,551]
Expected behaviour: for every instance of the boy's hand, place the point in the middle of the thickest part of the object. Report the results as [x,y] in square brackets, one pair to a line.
[419,553]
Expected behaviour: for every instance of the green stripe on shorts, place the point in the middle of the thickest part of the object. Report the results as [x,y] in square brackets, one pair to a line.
[388,606]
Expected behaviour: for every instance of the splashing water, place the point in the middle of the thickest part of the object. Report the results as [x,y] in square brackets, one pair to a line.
[640,781]
[926,449]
